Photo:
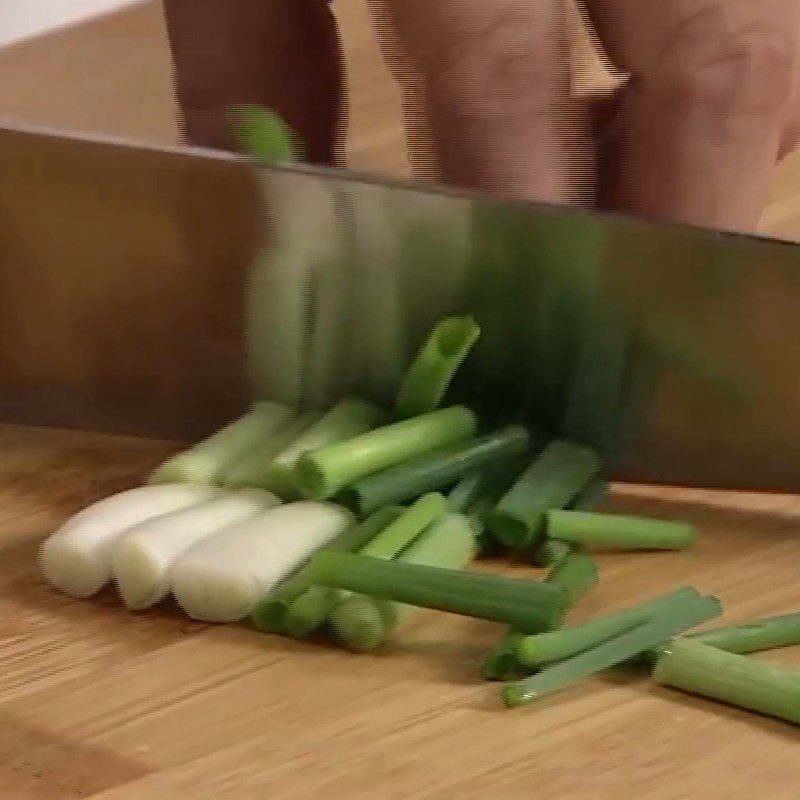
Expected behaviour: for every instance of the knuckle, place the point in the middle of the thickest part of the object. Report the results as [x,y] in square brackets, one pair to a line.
[732,70]
[503,68]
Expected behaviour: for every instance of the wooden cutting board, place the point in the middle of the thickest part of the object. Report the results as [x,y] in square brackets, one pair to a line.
[97,702]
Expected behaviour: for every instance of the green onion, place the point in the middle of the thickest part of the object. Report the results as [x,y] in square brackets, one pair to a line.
[264,136]
[325,471]
[253,468]
[426,382]
[346,419]
[575,575]
[595,492]
[618,532]
[501,664]
[435,470]
[270,614]
[698,668]
[752,637]
[308,612]
[529,605]
[552,553]
[546,648]
[206,462]
[363,623]
[672,618]
[553,480]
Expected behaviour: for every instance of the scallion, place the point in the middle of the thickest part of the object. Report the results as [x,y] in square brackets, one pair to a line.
[436,470]
[672,618]
[549,647]
[529,605]
[618,532]
[501,664]
[206,462]
[701,669]
[269,615]
[752,637]
[575,575]
[363,623]
[426,382]
[323,472]
[553,480]
[346,419]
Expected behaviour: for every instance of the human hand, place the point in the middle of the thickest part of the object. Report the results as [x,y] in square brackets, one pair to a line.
[712,104]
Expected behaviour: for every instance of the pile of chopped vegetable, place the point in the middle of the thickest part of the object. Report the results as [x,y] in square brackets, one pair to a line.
[353,518]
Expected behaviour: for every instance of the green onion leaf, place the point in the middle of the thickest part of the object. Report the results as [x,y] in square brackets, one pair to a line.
[429,376]
[553,480]
[671,619]
[575,575]
[700,669]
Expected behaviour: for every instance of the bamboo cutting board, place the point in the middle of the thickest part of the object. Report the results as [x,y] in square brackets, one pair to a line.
[99,703]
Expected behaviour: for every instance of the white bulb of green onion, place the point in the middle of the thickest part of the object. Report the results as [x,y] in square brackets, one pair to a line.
[223,577]
[77,558]
[142,558]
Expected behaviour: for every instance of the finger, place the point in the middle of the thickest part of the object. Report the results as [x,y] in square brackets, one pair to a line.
[703,116]
[496,87]
[420,144]
[283,54]
[791,132]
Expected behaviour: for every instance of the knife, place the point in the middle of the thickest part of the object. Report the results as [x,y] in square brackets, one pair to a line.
[153,291]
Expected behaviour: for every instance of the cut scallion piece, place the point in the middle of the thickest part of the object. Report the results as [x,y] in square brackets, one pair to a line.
[529,605]
[307,613]
[552,553]
[269,615]
[618,532]
[700,669]
[547,648]
[425,384]
[752,637]
[575,575]
[323,472]
[670,620]
[253,468]
[206,462]
[263,135]
[553,480]
[501,664]
[363,623]
[436,470]
[346,419]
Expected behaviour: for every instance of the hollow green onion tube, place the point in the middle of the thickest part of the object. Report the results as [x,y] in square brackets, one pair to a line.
[307,613]
[363,623]
[428,378]
[528,605]
[547,648]
[436,470]
[325,471]
[618,532]
[575,575]
[753,637]
[700,669]
[253,468]
[346,419]
[270,613]
[671,619]
[206,462]
[553,480]
[501,664]
[552,553]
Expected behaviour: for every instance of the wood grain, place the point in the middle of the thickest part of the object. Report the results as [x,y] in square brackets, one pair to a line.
[97,702]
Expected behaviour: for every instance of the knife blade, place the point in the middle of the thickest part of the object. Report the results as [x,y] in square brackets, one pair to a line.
[154,291]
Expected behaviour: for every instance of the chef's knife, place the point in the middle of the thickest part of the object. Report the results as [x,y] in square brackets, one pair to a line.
[123,273]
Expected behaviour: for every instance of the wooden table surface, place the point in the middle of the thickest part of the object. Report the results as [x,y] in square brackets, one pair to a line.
[97,702]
